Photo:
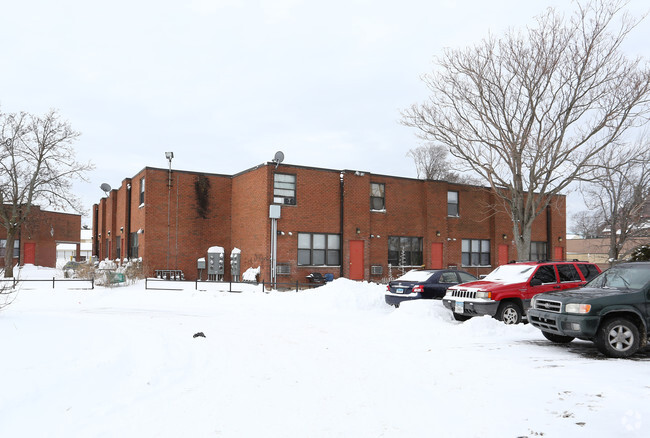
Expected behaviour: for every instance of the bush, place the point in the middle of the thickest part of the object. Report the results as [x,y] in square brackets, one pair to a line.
[640,254]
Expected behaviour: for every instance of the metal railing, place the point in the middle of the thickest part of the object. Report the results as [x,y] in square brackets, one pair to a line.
[53,281]
[150,284]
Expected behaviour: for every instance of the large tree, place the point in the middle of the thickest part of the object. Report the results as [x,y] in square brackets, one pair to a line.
[618,192]
[530,111]
[37,165]
[432,162]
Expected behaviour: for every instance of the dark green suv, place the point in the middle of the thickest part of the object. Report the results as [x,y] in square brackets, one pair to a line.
[612,310]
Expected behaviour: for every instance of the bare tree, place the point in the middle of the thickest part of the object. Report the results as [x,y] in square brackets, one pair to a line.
[37,165]
[587,224]
[431,162]
[618,192]
[530,111]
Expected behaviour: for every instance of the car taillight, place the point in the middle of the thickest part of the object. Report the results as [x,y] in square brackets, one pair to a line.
[388,287]
[418,288]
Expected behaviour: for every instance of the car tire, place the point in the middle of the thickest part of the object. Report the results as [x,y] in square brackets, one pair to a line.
[459,317]
[509,313]
[557,339]
[618,337]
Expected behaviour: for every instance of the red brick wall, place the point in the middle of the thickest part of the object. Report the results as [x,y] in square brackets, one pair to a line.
[239,217]
[46,229]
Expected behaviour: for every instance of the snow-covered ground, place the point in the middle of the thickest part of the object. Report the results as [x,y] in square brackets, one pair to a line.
[332,362]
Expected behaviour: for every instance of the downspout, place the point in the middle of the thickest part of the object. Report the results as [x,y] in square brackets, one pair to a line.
[341,222]
[549,234]
[128,219]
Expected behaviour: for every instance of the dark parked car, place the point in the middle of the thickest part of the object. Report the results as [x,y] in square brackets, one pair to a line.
[611,310]
[424,284]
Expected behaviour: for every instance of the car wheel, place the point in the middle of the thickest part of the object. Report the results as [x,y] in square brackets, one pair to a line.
[558,339]
[509,313]
[618,337]
[459,317]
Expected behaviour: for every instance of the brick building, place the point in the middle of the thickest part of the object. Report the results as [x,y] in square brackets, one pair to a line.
[348,223]
[38,237]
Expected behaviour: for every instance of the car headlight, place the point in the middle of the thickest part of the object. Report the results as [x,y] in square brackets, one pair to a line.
[484,295]
[577,308]
[532,302]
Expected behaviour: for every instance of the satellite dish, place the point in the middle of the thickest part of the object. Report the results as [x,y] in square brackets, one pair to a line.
[279,158]
[106,188]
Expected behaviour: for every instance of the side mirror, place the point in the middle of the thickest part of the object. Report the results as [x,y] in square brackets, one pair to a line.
[535,282]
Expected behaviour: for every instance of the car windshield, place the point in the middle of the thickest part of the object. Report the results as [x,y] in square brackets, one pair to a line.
[419,276]
[510,273]
[622,277]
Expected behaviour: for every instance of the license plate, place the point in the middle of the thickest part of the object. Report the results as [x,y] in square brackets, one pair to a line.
[399,290]
[459,307]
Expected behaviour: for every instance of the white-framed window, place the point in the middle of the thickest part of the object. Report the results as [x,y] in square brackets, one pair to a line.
[284,189]
[316,249]
[452,204]
[475,252]
[141,190]
[377,196]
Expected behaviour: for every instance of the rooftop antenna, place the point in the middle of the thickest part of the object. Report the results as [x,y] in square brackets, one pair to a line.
[106,188]
[279,158]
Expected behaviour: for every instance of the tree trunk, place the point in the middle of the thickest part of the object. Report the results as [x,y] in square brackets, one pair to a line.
[9,253]
[522,240]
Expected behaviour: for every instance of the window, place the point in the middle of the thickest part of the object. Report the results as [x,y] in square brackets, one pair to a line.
[568,273]
[448,277]
[3,248]
[465,278]
[546,274]
[405,251]
[452,204]
[142,191]
[133,251]
[108,248]
[284,189]
[588,271]
[377,199]
[538,251]
[319,249]
[118,246]
[475,252]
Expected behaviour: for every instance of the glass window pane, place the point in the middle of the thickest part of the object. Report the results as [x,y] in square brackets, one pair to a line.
[304,256]
[485,259]
[452,197]
[319,257]
[465,259]
[333,257]
[304,240]
[319,241]
[465,245]
[476,245]
[333,241]
[485,246]
[393,244]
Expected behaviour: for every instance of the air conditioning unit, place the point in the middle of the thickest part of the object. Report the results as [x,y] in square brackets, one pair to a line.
[376,270]
[283,270]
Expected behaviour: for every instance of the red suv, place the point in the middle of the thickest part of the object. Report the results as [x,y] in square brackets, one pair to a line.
[505,293]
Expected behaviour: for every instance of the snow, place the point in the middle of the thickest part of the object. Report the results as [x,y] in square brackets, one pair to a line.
[510,273]
[251,274]
[335,361]
[415,275]
[217,249]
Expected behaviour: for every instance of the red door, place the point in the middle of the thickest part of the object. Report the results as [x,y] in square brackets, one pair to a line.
[30,253]
[559,254]
[503,254]
[436,255]
[356,259]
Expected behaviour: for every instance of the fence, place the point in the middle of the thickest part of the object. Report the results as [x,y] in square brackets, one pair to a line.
[90,283]
[223,286]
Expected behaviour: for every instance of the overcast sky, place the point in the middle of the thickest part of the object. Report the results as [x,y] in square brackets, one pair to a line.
[224,84]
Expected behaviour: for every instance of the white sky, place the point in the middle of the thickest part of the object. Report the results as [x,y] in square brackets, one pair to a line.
[225,84]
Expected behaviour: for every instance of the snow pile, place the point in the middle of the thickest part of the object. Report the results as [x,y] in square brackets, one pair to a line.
[334,361]
[251,274]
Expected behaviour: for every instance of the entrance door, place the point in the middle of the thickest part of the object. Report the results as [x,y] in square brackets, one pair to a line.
[503,254]
[559,254]
[356,259]
[30,253]
[436,255]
